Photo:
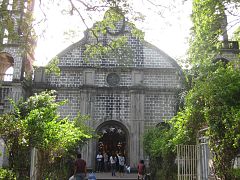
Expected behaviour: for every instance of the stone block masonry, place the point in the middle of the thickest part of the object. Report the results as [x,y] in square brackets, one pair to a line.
[139,94]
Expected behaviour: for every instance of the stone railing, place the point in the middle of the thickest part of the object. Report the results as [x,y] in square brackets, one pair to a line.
[230,45]
[5,93]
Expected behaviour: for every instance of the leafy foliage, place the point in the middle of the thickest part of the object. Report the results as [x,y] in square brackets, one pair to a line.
[16,25]
[36,123]
[52,67]
[236,35]
[6,174]
[111,37]
[208,17]
[158,146]
[214,103]
[212,93]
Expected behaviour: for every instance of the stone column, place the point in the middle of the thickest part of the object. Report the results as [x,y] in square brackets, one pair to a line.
[2,151]
[137,127]
[17,92]
[86,109]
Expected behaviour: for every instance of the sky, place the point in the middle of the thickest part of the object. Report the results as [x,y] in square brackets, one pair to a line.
[168,31]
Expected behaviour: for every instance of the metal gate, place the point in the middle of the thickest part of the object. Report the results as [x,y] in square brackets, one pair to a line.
[195,161]
[187,159]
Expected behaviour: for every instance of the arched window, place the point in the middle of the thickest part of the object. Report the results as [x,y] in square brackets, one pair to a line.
[5,36]
[6,66]
[10,5]
[221,59]
[9,74]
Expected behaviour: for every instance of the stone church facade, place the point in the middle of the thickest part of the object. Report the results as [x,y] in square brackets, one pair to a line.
[122,100]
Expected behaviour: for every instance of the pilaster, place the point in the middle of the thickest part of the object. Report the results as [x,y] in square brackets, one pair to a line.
[137,127]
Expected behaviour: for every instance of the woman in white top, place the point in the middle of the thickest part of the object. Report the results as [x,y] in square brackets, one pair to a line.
[113,160]
[99,159]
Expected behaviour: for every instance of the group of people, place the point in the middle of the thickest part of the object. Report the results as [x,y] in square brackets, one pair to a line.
[117,162]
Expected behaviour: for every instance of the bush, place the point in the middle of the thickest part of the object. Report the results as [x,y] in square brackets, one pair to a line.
[236,173]
[6,174]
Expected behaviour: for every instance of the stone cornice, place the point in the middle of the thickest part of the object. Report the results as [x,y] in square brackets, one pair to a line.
[15,83]
[122,69]
[112,89]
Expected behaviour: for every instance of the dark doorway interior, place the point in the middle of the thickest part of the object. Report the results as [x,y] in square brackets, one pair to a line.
[112,140]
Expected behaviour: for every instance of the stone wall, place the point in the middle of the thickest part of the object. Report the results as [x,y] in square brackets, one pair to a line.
[144,93]
[16,53]
[11,90]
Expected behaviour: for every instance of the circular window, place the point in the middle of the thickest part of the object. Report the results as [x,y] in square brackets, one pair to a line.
[113,79]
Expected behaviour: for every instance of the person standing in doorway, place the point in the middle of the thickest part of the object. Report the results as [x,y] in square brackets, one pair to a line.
[113,160]
[121,161]
[141,170]
[99,159]
[80,168]
[106,161]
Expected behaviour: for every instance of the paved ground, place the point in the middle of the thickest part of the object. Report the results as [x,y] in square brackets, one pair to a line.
[108,176]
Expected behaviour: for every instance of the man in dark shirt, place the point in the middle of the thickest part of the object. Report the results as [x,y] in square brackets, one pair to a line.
[80,169]
[141,170]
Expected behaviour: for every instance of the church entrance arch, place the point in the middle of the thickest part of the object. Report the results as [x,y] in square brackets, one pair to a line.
[114,138]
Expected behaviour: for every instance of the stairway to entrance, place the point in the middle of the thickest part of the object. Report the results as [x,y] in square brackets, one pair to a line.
[108,176]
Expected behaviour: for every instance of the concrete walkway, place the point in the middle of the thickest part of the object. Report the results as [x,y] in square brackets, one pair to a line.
[108,176]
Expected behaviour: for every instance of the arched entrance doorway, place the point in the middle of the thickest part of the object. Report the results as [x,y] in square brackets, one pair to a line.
[113,138]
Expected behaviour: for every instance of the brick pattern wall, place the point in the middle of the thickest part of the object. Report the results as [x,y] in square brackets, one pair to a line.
[100,78]
[112,106]
[154,59]
[72,107]
[73,56]
[141,56]
[159,107]
[151,78]
[135,54]
[16,53]
[158,71]
[67,78]
[163,79]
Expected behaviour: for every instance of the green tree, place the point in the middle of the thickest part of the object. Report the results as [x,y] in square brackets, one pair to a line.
[211,95]
[35,123]
[210,26]
[212,99]
[214,103]
[160,149]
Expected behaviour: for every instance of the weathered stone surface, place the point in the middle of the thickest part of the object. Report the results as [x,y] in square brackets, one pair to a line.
[138,95]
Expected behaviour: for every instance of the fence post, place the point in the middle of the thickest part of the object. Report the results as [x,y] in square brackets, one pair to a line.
[33,165]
